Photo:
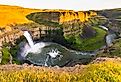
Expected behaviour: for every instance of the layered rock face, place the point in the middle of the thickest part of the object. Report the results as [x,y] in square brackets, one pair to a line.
[71,22]
[61,16]
[10,37]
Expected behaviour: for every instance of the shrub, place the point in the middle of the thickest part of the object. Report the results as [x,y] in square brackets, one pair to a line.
[5,56]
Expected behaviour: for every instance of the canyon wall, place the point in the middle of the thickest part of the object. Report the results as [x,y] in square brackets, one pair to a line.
[10,37]
[71,25]
[61,17]
[72,22]
[15,34]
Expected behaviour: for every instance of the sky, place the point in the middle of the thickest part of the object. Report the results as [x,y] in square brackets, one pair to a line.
[65,4]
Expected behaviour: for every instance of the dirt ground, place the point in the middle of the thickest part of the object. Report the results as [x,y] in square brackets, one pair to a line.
[75,69]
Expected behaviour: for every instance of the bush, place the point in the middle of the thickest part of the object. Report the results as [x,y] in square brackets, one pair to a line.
[5,56]
[9,54]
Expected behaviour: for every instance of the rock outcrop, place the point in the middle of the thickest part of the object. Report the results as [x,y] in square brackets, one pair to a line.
[61,16]
[10,37]
[71,22]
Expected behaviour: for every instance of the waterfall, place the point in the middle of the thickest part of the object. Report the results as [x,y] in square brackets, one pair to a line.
[32,48]
[29,38]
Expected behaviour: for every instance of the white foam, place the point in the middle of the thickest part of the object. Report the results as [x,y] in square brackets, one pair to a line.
[37,48]
[53,53]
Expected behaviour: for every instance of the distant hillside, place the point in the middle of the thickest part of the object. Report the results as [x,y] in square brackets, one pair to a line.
[14,14]
[112,14]
[114,18]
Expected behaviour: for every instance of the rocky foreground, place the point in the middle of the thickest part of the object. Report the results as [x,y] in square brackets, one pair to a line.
[75,69]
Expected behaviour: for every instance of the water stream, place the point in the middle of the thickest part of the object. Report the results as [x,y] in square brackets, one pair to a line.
[110,37]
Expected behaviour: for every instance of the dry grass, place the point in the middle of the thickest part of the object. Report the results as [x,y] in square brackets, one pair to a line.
[14,14]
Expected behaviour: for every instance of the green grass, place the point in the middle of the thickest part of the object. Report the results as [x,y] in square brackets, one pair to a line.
[89,44]
[94,42]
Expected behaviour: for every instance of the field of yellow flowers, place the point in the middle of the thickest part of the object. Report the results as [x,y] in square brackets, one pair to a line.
[14,14]
[106,71]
